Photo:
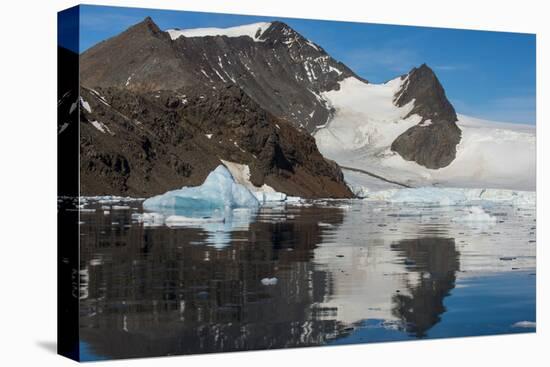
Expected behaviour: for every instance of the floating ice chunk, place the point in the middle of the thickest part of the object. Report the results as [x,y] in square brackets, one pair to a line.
[109,199]
[293,199]
[525,324]
[265,197]
[96,262]
[508,258]
[360,192]
[269,281]
[476,214]
[149,219]
[120,207]
[183,221]
[218,193]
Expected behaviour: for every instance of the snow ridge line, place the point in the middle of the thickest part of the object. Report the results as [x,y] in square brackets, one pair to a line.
[375,176]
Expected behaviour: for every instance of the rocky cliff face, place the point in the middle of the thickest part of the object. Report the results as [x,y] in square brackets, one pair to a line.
[277,67]
[169,105]
[431,143]
[145,143]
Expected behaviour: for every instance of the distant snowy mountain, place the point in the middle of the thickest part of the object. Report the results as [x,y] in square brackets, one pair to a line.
[367,122]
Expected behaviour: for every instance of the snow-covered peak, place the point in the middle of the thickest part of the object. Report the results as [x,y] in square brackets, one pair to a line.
[253,31]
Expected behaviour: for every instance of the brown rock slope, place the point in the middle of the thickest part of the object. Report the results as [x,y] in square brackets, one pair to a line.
[145,143]
[284,72]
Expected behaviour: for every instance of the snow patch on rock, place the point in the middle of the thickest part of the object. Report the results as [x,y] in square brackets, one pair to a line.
[253,31]
[85,105]
[101,127]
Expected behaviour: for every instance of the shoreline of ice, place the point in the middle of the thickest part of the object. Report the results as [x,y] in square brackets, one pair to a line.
[452,196]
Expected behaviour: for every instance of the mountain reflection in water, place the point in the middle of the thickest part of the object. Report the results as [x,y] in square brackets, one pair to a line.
[436,261]
[153,291]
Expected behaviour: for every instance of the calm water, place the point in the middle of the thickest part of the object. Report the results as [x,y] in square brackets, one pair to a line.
[335,272]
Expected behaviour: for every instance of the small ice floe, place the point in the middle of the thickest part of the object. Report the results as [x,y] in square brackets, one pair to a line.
[109,199]
[106,212]
[294,199]
[326,225]
[476,214]
[508,258]
[149,219]
[96,262]
[360,192]
[525,324]
[269,197]
[269,281]
[121,207]
[182,221]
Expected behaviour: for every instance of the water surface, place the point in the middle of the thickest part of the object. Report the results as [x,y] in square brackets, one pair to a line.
[339,272]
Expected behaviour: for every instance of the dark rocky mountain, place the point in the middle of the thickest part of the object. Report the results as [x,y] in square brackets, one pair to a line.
[167,106]
[281,70]
[142,143]
[431,143]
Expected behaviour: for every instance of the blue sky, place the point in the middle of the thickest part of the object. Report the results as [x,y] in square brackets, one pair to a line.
[485,74]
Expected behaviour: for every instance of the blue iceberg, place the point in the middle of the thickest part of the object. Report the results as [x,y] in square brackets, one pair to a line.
[216,195]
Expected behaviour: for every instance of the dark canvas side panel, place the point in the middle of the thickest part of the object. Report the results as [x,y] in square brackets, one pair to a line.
[68,183]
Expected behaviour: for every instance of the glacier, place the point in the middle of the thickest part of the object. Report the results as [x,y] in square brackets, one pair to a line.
[475,214]
[453,196]
[366,121]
